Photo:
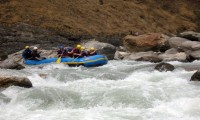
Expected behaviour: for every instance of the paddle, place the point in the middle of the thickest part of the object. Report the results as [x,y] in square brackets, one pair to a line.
[75,58]
[59,59]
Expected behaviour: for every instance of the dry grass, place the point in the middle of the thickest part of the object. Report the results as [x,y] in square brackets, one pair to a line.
[80,17]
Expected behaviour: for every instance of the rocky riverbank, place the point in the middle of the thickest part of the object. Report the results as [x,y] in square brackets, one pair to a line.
[152,47]
[155,47]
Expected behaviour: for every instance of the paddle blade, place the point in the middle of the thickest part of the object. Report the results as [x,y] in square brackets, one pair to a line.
[59,60]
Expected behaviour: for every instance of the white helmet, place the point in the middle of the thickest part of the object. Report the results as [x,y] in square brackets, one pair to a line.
[35,48]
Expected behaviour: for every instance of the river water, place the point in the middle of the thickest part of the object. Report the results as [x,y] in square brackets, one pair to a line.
[120,90]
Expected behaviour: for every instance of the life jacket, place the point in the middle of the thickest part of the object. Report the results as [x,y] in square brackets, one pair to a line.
[84,53]
[77,51]
[27,54]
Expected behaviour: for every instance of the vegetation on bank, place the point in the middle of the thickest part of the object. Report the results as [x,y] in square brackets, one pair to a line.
[96,17]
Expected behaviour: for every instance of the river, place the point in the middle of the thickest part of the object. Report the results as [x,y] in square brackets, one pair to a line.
[120,90]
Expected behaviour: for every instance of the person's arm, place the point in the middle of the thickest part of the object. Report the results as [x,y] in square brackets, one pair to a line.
[92,52]
[37,56]
[79,54]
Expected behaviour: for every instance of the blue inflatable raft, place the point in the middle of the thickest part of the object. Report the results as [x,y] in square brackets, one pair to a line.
[91,61]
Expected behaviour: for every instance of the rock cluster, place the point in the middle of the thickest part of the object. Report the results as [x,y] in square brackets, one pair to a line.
[156,47]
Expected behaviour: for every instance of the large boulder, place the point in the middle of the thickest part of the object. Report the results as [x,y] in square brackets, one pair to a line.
[185,44]
[102,48]
[14,61]
[164,67]
[196,76]
[11,64]
[176,42]
[16,81]
[191,35]
[146,42]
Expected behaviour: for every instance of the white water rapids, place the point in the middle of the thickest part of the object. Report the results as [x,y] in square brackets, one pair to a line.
[120,90]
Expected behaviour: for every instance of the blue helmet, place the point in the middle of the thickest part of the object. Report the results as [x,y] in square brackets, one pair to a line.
[69,48]
[61,47]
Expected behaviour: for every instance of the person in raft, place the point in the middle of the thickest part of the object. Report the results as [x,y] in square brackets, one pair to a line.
[27,53]
[36,55]
[83,52]
[76,51]
[62,52]
[92,51]
[69,52]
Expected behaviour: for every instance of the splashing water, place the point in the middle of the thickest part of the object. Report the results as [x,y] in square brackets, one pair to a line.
[120,90]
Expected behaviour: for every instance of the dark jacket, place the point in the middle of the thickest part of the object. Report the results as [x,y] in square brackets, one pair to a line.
[62,52]
[27,54]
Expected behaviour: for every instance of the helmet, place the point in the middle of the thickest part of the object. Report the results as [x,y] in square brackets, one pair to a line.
[35,48]
[70,49]
[82,48]
[27,47]
[78,46]
[91,48]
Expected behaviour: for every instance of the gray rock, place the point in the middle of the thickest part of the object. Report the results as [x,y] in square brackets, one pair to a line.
[121,49]
[185,44]
[153,59]
[11,64]
[142,55]
[120,55]
[102,48]
[171,51]
[164,67]
[195,54]
[176,42]
[6,81]
[173,57]
[196,76]
[194,36]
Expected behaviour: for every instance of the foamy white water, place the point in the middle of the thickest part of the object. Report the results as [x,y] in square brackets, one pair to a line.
[121,90]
